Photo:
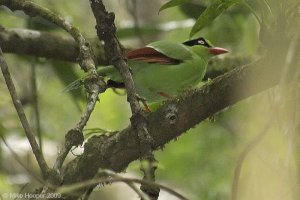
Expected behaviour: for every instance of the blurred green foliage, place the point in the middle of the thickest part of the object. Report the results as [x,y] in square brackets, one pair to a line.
[201,162]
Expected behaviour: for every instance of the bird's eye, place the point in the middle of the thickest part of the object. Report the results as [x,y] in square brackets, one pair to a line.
[201,42]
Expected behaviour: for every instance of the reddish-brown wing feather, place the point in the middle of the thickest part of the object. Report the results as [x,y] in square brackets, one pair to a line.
[150,55]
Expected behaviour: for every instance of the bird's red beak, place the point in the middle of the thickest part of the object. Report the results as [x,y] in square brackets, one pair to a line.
[217,50]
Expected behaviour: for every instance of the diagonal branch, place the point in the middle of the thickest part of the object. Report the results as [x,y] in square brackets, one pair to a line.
[19,160]
[175,117]
[19,108]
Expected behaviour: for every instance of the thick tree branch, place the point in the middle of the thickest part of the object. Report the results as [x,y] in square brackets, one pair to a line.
[51,46]
[85,58]
[44,44]
[175,117]
[38,43]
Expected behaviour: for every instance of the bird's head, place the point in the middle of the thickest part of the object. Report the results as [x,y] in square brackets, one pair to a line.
[205,47]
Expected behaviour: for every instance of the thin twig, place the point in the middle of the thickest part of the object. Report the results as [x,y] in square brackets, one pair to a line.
[36,105]
[138,191]
[88,193]
[134,12]
[35,97]
[130,184]
[21,190]
[19,108]
[242,157]
[19,160]
[106,31]
[74,187]
[148,167]
[95,85]
[109,173]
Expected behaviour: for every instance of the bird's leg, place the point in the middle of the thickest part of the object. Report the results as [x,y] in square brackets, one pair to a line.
[114,84]
[166,95]
[144,102]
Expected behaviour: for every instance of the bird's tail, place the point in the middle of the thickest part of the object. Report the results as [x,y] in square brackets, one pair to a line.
[102,71]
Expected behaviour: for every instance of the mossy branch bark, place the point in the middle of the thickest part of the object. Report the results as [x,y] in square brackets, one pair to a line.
[175,117]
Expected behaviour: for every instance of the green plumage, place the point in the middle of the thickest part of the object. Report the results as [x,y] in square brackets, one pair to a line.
[151,79]
[155,80]
[172,50]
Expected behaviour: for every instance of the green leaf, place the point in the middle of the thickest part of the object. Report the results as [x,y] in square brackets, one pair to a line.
[210,13]
[171,4]
[192,9]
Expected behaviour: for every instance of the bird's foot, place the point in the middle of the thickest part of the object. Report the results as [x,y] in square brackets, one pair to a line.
[144,102]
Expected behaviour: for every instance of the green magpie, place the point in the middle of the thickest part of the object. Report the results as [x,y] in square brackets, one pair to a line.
[163,69]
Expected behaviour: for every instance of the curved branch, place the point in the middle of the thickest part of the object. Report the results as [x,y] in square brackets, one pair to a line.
[113,179]
[85,59]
